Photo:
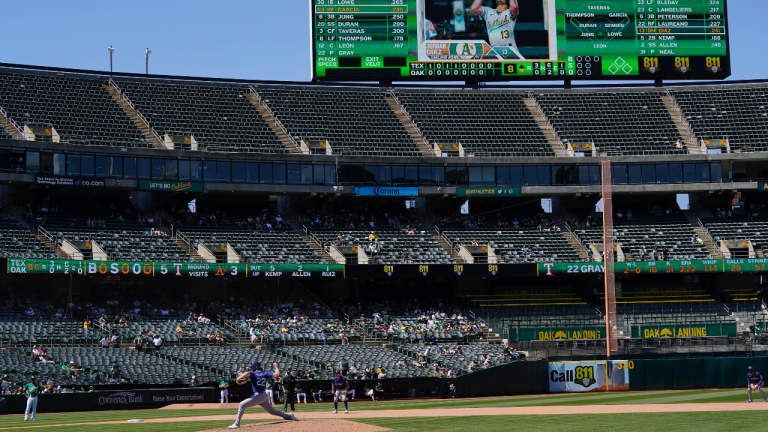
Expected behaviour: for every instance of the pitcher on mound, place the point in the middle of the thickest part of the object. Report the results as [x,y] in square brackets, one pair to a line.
[258,383]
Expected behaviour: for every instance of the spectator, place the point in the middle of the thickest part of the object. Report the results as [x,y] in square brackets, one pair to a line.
[158,341]
[104,342]
[194,382]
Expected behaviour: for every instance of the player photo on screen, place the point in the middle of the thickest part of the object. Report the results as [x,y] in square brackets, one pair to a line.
[484,29]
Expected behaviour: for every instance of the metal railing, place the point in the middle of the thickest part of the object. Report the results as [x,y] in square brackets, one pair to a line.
[276,121]
[455,250]
[19,129]
[548,124]
[708,237]
[415,127]
[573,236]
[682,118]
[141,117]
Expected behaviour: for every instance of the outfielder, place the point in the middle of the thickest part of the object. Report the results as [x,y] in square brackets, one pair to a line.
[500,23]
[258,382]
[339,386]
[754,382]
[31,390]
[224,386]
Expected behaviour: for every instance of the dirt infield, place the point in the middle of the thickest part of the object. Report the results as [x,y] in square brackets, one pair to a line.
[307,426]
[313,418]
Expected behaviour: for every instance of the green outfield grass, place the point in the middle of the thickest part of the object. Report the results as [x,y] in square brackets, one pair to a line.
[575,422]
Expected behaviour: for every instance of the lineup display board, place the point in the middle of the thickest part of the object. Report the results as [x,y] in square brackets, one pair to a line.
[743,265]
[169,269]
[505,40]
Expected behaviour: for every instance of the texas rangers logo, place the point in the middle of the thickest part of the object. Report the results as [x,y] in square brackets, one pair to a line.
[549,266]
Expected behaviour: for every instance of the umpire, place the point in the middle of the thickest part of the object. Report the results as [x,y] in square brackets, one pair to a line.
[289,390]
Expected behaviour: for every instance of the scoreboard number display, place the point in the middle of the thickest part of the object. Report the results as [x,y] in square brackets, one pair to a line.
[506,40]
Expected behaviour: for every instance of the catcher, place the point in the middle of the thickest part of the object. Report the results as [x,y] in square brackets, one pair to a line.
[258,382]
[339,386]
[755,382]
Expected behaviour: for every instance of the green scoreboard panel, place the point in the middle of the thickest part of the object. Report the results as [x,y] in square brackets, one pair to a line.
[504,40]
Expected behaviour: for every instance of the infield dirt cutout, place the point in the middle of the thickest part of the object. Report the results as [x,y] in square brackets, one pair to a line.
[315,421]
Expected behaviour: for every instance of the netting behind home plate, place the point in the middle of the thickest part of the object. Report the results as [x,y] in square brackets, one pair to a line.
[608,256]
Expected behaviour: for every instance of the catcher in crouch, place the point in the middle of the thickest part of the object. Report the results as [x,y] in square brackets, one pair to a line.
[258,383]
[340,387]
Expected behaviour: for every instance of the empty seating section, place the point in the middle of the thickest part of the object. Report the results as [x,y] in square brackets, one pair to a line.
[130,245]
[18,331]
[146,368]
[738,114]
[18,365]
[354,122]
[360,355]
[261,247]
[229,360]
[618,123]
[722,230]
[511,244]
[422,248]
[79,108]
[486,123]
[643,236]
[16,241]
[4,134]
[220,117]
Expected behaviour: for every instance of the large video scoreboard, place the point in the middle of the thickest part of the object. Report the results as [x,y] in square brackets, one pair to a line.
[502,40]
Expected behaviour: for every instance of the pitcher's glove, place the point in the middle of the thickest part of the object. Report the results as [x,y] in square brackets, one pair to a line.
[241,381]
[344,392]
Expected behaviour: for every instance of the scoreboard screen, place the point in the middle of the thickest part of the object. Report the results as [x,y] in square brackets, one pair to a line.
[503,40]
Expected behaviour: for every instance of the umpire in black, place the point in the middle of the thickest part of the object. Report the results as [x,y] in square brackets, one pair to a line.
[289,390]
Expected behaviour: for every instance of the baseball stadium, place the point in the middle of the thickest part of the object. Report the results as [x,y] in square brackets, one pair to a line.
[472,215]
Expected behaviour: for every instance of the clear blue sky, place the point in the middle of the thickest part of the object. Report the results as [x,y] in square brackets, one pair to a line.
[255,39]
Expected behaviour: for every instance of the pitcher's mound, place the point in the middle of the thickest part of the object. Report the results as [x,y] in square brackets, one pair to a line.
[306,426]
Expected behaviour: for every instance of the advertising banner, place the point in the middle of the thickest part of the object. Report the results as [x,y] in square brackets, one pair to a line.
[128,398]
[387,191]
[561,334]
[589,376]
[490,192]
[78,182]
[169,186]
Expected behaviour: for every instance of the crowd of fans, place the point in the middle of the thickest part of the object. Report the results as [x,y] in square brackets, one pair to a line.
[361,217]
[90,214]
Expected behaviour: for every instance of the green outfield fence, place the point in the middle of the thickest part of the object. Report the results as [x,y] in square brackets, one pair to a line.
[666,374]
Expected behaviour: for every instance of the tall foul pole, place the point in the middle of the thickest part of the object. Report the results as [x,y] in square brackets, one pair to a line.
[608,254]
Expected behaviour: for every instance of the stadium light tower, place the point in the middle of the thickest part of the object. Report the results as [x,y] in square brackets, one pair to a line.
[146,62]
[111,50]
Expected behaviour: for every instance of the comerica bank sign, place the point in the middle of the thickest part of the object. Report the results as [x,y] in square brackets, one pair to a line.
[387,191]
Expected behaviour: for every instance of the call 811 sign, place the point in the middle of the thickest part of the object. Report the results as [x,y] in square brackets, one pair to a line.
[503,40]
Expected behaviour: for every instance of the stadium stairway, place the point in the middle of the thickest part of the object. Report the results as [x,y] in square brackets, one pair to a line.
[409,125]
[273,122]
[546,127]
[446,245]
[691,142]
[137,118]
[9,125]
[573,240]
[187,248]
[317,248]
[702,232]
[52,245]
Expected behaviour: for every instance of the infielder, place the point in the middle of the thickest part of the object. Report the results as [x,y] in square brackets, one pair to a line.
[754,382]
[224,386]
[258,382]
[500,23]
[31,390]
[339,386]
